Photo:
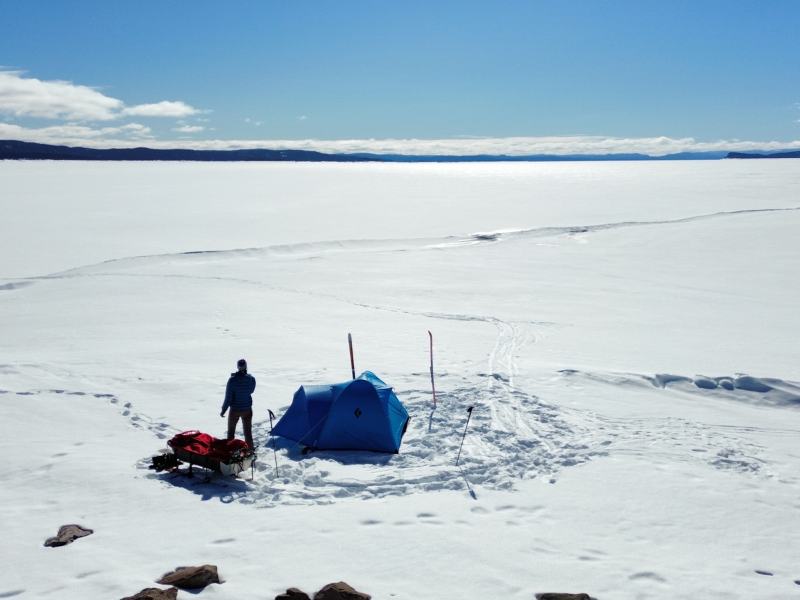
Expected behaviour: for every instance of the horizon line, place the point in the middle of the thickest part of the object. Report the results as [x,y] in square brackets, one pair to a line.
[22,150]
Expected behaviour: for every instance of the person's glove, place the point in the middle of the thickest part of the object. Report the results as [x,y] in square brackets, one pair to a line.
[222,414]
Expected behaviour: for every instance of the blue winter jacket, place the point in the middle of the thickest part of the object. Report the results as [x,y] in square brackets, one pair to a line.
[237,393]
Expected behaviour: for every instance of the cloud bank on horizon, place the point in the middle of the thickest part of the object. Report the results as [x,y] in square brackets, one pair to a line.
[81,106]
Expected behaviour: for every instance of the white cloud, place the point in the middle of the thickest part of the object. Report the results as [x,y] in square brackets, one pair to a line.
[161,109]
[76,135]
[30,97]
[189,129]
[303,118]
[136,129]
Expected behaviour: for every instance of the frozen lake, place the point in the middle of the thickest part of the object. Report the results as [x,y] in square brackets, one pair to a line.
[627,333]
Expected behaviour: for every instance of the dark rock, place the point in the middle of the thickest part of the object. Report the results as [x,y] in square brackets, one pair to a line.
[155,594]
[191,578]
[340,591]
[562,596]
[68,534]
[293,594]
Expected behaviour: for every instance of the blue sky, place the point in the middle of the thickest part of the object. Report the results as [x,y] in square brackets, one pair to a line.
[250,71]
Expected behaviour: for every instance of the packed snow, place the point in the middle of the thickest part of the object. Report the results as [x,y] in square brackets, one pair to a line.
[626,332]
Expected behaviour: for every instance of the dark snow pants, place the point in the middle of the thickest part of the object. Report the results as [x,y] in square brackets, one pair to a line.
[247,425]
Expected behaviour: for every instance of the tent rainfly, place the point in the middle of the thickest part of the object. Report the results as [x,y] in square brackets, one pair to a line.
[360,414]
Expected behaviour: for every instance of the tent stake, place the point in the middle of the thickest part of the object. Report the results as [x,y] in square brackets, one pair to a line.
[469,414]
[433,386]
[352,363]
[275,452]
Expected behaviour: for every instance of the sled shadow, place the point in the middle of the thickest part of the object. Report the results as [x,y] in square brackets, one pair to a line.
[204,483]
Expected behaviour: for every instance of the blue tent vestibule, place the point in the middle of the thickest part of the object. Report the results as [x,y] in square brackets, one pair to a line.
[361,414]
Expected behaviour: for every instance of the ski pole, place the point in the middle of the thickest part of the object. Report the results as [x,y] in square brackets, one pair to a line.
[433,386]
[469,414]
[275,452]
[352,363]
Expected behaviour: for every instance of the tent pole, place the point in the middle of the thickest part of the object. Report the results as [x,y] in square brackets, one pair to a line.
[352,363]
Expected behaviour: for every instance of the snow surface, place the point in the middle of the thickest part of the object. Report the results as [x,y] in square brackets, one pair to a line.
[627,333]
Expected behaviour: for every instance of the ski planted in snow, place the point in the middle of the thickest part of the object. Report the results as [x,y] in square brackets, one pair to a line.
[352,362]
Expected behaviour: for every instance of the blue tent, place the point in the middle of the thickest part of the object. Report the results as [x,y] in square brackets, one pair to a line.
[360,414]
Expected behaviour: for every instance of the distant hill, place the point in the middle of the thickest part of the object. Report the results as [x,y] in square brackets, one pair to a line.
[15,150]
[10,149]
[792,154]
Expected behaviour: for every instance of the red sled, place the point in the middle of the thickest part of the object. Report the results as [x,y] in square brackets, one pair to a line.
[228,457]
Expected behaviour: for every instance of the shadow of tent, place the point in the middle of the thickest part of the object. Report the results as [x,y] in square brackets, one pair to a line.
[296,453]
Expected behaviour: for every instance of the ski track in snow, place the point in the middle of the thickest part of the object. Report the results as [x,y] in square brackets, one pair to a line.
[513,434]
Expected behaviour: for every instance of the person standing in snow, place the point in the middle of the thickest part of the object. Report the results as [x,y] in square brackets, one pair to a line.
[239,399]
